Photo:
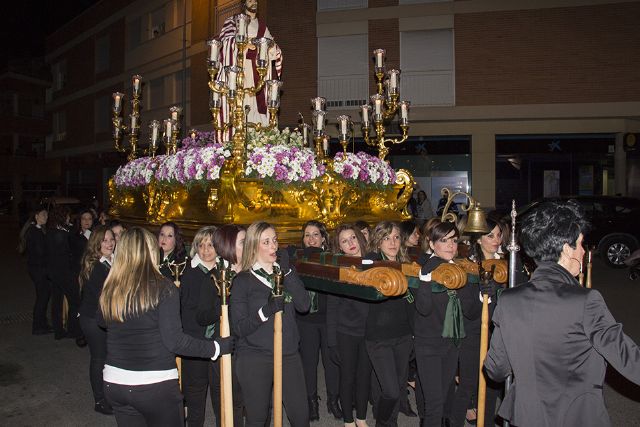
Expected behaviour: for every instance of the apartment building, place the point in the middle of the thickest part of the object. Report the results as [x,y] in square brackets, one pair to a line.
[510,98]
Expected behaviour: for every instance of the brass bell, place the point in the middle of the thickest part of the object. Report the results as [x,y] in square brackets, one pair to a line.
[476,220]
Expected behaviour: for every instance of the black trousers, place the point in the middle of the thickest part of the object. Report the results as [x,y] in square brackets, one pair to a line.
[390,360]
[198,376]
[255,373]
[313,343]
[158,404]
[437,361]
[62,287]
[97,339]
[43,293]
[355,376]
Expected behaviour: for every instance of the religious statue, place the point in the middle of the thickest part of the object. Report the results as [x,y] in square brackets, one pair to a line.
[256,105]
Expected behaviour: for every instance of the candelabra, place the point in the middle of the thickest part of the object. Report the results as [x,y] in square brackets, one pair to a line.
[229,85]
[119,128]
[385,104]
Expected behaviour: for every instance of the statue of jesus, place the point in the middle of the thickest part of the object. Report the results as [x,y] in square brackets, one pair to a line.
[258,112]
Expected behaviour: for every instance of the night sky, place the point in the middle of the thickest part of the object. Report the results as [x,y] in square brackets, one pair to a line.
[28,22]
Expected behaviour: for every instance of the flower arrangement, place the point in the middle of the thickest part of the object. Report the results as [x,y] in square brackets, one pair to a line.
[276,156]
[364,169]
[273,137]
[191,165]
[136,173]
[282,164]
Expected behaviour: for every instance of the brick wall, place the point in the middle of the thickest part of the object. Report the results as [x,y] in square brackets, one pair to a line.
[293,26]
[562,55]
[384,34]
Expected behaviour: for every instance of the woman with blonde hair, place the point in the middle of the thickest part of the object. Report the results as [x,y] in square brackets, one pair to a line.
[252,309]
[94,268]
[141,310]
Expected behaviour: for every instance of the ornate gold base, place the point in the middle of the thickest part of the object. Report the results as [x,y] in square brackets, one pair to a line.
[234,199]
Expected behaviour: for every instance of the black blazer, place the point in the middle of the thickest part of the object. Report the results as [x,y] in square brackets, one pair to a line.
[556,337]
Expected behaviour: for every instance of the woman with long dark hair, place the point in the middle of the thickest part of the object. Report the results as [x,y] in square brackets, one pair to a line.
[485,246]
[141,311]
[96,263]
[37,266]
[60,272]
[346,326]
[313,333]
[172,248]
[436,346]
[252,309]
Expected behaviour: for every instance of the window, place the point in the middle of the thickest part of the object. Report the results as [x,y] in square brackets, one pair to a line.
[426,60]
[156,23]
[102,110]
[343,70]
[341,4]
[59,74]
[134,30]
[102,54]
[59,125]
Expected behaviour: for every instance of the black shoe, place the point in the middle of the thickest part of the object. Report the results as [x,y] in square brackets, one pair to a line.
[81,342]
[103,407]
[405,408]
[314,410]
[333,407]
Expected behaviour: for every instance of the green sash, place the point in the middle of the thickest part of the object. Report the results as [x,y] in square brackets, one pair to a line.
[453,321]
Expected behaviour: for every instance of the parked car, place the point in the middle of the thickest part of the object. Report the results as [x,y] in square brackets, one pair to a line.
[615,229]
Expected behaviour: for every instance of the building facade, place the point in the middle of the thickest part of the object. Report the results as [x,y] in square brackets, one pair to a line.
[509,99]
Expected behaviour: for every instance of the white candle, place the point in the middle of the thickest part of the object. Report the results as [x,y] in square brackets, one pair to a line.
[117,102]
[379,53]
[154,132]
[365,115]
[134,122]
[232,72]
[167,129]
[317,103]
[377,105]
[214,50]
[325,144]
[319,117]
[275,91]
[305,134]
[215,99]
[136,84]
[175,112]
[393,79]
[242,21]
[344,125]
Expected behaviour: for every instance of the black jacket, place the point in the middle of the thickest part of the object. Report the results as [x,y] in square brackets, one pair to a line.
[92,289]
[196,286]
[557,338]
[36,251]
[58,256]
[248,296]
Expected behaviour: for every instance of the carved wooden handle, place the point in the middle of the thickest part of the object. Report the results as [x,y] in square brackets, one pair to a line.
[388,281]
[500,274]
[452,276]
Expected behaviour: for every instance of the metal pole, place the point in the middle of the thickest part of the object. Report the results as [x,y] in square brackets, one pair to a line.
[513,249]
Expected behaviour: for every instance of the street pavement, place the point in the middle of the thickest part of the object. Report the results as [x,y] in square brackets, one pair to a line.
[46,383]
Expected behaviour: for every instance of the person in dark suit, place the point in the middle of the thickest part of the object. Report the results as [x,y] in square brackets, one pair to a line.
[555,336]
